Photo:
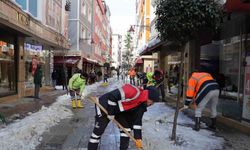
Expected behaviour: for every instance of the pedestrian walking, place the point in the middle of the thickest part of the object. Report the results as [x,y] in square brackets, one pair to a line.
[168,81]
[159,80]
[92,77]
[64,79]
[38,80]
[54,77]
[105,76]
[118,72]
[127,105]
[76,86]
[202,89]
[132,74]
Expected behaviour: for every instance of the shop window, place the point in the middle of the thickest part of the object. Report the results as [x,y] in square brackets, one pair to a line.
[33,53]
[7,69]
[224,60]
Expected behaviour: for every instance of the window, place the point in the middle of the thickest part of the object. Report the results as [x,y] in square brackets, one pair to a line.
[83,33]
[223,59]
[84,8]
[33,7]
[7,69]
[23,3]
[89,15]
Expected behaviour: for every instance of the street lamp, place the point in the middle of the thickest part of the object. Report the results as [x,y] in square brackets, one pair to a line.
[133,26]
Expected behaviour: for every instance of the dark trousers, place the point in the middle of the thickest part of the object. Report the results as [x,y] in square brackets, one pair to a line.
[161,89]
[132,80]
[37,89]
[100,126]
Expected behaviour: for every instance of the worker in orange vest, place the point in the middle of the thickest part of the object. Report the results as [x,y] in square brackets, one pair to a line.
[202,89]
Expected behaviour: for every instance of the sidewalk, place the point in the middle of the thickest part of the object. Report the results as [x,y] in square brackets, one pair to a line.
[13,107]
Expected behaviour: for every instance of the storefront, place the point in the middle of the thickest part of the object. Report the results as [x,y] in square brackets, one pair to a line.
[65,66]
[18,30]
[89,64]
[34,54]
[8,83]
[227,60]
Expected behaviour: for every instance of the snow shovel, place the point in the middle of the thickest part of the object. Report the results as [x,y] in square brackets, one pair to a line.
[93,99]
[159,84]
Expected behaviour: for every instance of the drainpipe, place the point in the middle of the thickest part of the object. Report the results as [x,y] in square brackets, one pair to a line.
[92,25]
[240,62]
[78,25]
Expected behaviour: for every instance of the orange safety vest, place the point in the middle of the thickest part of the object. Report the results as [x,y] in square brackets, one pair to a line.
[195,82]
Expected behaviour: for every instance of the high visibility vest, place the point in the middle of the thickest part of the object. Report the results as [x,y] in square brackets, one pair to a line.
[131,97]
[195,82]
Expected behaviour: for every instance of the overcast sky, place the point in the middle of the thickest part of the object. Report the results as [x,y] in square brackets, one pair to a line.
[122,15]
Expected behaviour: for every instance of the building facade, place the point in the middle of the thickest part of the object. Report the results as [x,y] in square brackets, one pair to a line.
[225,56]
[89,34]
[25,40]
[116,50]
[145,33]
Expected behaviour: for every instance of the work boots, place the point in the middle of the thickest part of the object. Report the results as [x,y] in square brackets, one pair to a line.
[74,104]
[79,104]
[197,124]
[213,124]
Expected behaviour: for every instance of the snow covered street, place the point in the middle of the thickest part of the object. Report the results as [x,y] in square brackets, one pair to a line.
[60,127]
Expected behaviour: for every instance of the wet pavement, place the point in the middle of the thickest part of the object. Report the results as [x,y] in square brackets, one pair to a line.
[22,107]
[74,133]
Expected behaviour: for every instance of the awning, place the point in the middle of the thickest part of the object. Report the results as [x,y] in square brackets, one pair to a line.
[88,60]
[151,47]
[68,60]
[138,61]
[156,45]
[236,5]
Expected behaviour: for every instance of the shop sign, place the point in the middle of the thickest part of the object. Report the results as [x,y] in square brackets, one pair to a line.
[23,19]
[246,103]
[36,48]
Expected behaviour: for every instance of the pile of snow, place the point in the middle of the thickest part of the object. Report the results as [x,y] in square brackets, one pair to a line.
[157,130]
[26,133]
